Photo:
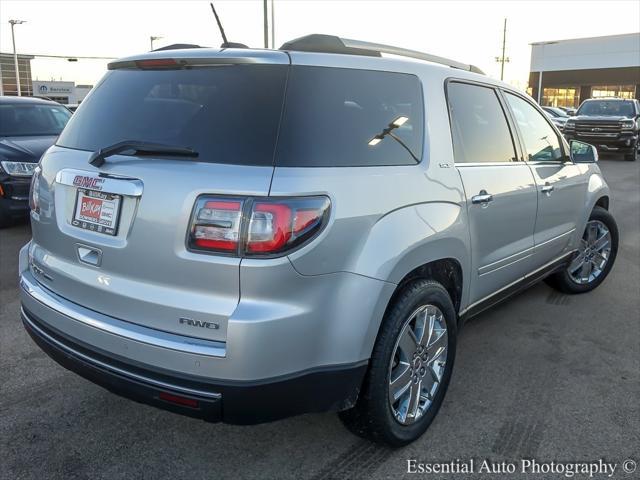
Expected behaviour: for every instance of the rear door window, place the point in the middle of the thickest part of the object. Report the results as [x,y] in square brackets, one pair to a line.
[479,127]
[336,117]
[228,113]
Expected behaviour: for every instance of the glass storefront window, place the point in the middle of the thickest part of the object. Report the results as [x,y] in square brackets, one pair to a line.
[561,97]
[620,91]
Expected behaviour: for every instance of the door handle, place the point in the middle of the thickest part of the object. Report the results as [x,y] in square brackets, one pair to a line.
[547,189]
[483,198]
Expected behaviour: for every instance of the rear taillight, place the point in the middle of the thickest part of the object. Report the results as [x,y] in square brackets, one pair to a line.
[216,224]
[256,226]
[34,190]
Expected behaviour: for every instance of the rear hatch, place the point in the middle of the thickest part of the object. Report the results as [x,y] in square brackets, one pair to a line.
[113,238]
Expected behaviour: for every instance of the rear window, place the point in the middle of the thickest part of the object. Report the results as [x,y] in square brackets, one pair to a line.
[332,116]
[228,114]
[235,114]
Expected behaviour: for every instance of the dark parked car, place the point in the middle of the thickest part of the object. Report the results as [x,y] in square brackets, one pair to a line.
[557,116]
[611,125]
[568,110]
[28,126]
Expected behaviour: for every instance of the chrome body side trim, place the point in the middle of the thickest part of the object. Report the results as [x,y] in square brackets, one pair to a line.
[512,284]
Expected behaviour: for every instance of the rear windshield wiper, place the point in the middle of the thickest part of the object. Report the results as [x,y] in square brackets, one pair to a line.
[97,158]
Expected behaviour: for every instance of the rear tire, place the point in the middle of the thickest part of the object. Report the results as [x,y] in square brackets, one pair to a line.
[587,270]
[428,370]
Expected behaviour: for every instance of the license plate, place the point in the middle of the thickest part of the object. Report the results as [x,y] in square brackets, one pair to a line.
[97,211]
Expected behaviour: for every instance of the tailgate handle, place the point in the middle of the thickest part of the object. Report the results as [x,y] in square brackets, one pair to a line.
[128,186]
[89,255]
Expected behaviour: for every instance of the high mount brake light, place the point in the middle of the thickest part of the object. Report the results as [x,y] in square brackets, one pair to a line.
[249,227]
[157,63]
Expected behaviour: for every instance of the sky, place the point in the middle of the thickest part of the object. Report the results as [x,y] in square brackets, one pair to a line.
[467,31]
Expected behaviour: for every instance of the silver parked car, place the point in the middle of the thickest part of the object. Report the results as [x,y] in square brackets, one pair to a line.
[244,235]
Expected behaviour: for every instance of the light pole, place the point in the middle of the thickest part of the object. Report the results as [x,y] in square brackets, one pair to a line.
[152,38]
[15,55]
[542,45]
[273,25]
[502,60]
[266,24]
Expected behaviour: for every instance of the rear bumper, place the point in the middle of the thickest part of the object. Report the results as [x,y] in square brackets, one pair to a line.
[274,362]
[240,403]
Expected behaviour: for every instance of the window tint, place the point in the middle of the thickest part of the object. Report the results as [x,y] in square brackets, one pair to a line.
[337,117]
[479,126]
[24,120]
[540,140]
[229,114]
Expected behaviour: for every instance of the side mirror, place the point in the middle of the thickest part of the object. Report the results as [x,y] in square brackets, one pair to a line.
[581,152]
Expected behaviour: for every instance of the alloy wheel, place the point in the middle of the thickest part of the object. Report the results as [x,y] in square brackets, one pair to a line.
[593,253]
[417,364]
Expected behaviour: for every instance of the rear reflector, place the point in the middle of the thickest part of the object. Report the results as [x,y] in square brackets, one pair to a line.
[178,400]
[256,227]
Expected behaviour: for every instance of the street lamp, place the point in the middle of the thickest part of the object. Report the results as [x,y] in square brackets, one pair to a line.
[15,55]
[152,38]
[542,45]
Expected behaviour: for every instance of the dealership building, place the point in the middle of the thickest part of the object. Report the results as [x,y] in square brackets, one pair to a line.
[564,73]
[8,84]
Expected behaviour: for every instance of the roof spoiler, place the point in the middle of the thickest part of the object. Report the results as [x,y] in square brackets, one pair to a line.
[333,44]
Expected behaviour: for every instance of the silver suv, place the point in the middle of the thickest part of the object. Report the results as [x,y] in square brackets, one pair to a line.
[244,235]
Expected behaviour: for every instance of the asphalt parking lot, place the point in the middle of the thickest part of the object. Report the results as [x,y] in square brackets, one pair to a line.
[544,376]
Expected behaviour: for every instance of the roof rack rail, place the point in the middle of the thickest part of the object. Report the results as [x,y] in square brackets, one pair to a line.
[333,44]
[176,46]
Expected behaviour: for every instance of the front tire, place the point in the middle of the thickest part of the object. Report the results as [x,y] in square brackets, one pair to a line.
[595,257]
[633,156]
[410,367]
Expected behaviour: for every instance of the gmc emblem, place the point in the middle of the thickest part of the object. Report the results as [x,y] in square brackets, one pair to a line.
[88,182]
[198,323]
